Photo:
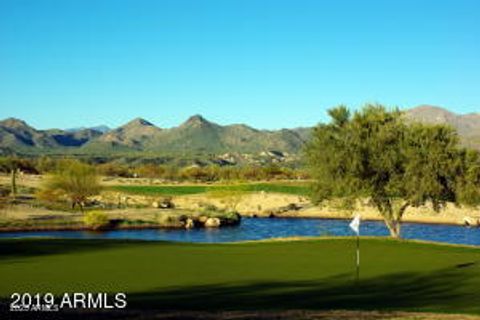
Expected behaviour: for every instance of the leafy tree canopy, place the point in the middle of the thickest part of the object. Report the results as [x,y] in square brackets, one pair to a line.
[376,154]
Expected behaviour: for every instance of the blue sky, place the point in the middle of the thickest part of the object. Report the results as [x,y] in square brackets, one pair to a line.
[270,64]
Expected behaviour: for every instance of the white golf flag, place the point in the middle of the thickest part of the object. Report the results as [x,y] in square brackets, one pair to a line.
[355,224]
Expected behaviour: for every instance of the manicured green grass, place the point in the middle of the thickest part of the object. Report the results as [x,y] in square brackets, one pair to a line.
[313,274]
[161,190]
[197,189]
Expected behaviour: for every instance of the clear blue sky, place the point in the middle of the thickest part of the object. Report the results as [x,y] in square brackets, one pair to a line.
[270,64]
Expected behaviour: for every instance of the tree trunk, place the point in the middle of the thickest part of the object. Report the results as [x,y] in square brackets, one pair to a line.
[394,227]
[392,217]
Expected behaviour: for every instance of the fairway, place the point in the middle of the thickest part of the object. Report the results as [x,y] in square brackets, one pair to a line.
[296,189]
[276,275]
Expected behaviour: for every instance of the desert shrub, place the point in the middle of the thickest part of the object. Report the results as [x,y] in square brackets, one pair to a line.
[4,197]
[96,219]
[73,180]
[206,207]
[212,211]
[170,172]
[229,173]
[49,195]
[171,220]
[4,191]
[194,173]
[45,164]
[252,173]
[114,170]
[7,164]
[150,171]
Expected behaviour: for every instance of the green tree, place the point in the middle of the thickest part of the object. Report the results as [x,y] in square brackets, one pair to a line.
[75,180]
[469,178]
[376,154]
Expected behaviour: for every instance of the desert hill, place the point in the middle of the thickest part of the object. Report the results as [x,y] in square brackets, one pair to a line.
[195,135]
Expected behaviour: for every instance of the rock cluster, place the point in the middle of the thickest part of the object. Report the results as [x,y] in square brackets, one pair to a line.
[165,203]
[471,221]
[198,221]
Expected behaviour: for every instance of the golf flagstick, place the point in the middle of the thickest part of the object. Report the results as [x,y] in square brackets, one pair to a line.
[355,226]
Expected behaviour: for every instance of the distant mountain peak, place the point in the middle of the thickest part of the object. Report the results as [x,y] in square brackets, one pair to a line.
[197,117]
[197,134]
[431,109]
[139,122]
[431,114]
[196,120]
[467,125]
[14,123]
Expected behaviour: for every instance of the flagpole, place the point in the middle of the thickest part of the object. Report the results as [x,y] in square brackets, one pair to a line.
[355,226]
[358,258]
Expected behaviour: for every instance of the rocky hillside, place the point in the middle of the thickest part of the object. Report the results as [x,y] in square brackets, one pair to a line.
[467,125]
[194,136]
[17,135]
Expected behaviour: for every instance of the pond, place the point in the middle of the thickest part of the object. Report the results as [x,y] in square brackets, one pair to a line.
[265,228]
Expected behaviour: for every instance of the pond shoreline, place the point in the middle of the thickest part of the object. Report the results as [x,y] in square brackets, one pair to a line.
[79,228]
[148,226]
[294,215]
[255,229]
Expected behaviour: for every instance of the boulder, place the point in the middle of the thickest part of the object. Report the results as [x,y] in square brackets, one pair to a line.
[202,219]
[167,220]
[166,203]
[468,221]
[189,224]
[293,207]
[212,223]
[230,219]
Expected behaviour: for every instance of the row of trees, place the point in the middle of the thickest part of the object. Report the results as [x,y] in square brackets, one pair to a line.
[217,173]
[46,165]
[375,154]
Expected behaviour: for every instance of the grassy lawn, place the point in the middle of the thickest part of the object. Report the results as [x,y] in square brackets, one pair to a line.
[197,189]
[313,274]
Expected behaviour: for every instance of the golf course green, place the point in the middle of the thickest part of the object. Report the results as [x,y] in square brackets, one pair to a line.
[270,275]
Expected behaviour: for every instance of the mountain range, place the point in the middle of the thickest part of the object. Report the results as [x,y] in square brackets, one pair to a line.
[196,135]
[467,125]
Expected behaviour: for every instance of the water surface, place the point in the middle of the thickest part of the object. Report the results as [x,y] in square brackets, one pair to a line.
[265,228]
